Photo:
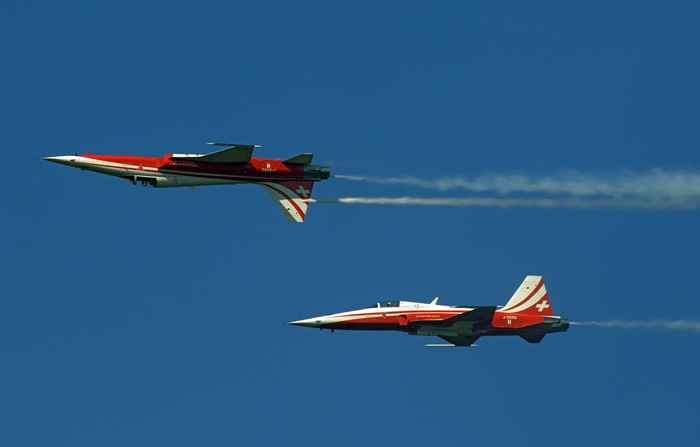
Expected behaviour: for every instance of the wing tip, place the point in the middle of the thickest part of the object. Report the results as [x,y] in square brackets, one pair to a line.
[233,144]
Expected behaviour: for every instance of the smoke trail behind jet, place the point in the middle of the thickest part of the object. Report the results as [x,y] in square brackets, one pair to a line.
[654,186]
[502,202]
[659,325]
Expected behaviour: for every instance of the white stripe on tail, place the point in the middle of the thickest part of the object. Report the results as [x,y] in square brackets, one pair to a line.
[291,197]
[530,298]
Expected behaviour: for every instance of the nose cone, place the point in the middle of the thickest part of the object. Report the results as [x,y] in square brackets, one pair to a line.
[310,322]
[68,160]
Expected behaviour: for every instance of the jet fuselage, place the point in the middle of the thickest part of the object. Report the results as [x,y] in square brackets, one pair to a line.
[528,315]
[288,182]
[187,171]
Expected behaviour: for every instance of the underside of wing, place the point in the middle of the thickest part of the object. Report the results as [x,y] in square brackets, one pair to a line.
[235,153]
[300,159]
[460,340]
[239,153]
[290,197]
[478,314]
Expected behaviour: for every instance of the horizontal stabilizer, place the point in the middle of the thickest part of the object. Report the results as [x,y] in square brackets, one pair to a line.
[533,337]
[300,159]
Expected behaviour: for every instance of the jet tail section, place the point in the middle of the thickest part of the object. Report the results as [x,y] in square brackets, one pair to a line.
[530,299]
[290,197]
[529,312]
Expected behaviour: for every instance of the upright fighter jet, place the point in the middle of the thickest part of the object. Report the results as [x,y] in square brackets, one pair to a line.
[289,182]
[527,314]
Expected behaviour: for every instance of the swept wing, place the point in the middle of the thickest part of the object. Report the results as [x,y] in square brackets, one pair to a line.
[234,153]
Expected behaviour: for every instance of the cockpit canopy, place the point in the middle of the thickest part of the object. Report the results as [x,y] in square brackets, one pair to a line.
[386,304]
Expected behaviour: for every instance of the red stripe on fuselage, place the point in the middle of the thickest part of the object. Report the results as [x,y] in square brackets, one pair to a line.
[256,168]
[392,319]
[250,179]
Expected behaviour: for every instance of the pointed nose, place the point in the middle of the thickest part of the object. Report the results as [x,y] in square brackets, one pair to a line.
[67,160]
[310,322]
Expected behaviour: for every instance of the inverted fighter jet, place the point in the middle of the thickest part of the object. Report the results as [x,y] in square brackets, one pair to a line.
[527,314]
[289,182]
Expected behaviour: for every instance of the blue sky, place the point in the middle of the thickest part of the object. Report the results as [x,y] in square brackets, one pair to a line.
[136,316]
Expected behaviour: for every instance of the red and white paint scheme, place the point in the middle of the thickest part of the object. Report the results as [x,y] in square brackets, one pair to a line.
[289,182]
[527,314]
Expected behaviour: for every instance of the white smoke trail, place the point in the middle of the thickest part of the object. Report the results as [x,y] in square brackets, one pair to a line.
[654,186]
[661,325]
[572,203]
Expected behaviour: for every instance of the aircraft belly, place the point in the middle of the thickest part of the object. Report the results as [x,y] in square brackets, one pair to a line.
[173,177]
[114,169]
[435,331]
[116,172]
[351,326]
[208,178]
[183,180]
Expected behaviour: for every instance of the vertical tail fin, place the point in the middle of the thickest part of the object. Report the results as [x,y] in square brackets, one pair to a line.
[530,299]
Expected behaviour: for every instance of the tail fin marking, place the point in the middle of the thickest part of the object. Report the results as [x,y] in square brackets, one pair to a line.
[290,197]
[530,298]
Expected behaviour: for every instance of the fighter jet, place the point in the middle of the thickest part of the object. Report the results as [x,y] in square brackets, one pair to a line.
[289,182]
[527,314]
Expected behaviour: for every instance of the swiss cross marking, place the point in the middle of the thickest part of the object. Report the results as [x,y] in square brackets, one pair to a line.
[303,192]
[542,306]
